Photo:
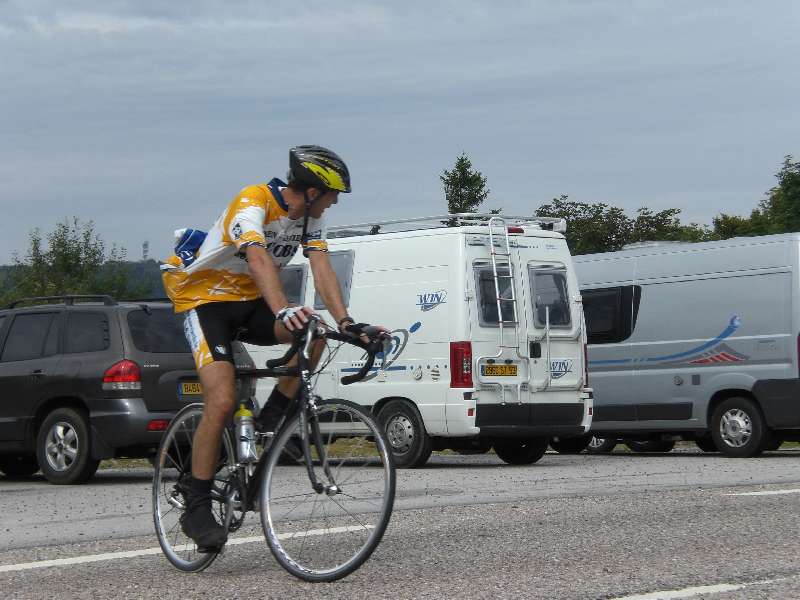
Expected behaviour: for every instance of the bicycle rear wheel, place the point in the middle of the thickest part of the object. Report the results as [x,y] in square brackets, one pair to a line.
[327,535]
[172,469]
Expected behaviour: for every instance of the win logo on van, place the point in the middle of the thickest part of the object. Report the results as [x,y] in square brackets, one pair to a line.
[430,300]
[559,368]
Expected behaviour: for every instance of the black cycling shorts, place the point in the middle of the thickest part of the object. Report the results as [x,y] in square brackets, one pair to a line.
[211,328]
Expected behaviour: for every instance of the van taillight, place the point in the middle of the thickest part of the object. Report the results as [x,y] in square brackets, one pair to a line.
[798,354]
[461,364]
[516,230]
[124,375]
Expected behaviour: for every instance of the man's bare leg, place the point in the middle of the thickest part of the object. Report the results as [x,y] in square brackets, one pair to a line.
[197,521]
[219,391]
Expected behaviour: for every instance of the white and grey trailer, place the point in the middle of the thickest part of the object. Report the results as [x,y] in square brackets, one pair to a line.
[486,318]
[696,341]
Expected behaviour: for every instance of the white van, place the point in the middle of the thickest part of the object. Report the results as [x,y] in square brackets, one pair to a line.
[467,371]
[696,341]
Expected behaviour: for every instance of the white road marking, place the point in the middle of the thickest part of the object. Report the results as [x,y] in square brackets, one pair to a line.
[691,592]
[684,593]
[90,558]
[766,493]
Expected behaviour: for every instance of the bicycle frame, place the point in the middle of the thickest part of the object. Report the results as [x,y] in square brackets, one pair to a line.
[304,404]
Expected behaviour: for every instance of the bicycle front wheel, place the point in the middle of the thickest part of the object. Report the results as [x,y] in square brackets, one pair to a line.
[172,470]
[326,534]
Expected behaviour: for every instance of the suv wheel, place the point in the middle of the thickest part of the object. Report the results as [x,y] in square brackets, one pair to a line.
[411,445]
[63,447]
[18,467]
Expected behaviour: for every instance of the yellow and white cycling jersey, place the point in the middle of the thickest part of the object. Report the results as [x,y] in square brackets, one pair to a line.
[219,272]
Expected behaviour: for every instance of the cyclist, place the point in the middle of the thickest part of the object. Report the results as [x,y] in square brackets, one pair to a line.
[230,289]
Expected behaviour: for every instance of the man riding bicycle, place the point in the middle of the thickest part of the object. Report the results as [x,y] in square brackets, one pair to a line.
[229,288]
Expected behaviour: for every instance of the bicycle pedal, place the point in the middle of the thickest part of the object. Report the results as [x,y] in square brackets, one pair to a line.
[210,549]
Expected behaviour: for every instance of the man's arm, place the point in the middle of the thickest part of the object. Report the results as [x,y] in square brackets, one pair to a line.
[327,284]
[265,274]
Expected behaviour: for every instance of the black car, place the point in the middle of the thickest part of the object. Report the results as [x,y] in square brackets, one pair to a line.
[85,378]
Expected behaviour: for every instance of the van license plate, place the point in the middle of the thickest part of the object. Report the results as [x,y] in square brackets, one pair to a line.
[499,370]
[191,389]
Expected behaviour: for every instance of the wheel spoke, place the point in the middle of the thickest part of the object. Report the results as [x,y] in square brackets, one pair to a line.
[70,437]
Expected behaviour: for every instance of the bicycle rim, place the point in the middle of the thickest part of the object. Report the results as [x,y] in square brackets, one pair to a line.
[326,536]
[172,468]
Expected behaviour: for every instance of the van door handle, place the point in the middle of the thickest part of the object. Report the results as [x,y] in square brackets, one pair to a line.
[37,373]
[535,350]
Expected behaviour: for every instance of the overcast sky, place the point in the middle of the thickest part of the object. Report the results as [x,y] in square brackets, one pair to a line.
[146,116]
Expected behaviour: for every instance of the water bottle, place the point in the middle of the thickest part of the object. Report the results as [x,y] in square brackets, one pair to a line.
[245,435]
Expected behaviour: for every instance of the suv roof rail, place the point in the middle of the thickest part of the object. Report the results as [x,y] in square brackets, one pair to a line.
[448,220]
[69,300]
[153,299]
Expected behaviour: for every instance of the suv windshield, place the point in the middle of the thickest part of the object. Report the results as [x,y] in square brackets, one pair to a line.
[158,330]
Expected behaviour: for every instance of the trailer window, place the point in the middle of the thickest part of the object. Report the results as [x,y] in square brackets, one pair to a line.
[549,291]
[611,313]
[293,279]
[342,263]
[487,299]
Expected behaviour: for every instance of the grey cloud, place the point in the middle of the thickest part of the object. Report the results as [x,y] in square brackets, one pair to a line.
[143,115]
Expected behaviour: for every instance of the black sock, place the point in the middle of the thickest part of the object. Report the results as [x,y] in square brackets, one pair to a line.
[273,410]
[199,492]
[277,400]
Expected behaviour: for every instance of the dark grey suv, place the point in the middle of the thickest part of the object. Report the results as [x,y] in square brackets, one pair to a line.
[84,378]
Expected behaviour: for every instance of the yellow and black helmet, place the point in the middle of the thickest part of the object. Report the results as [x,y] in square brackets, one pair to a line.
[318,167]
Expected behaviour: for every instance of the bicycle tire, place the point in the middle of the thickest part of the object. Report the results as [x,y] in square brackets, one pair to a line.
[172,466]
[350,522]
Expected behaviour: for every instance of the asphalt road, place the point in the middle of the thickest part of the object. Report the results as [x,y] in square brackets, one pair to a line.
[467,527]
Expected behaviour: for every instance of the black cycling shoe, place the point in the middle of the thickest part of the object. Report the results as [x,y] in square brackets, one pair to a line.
[199,524]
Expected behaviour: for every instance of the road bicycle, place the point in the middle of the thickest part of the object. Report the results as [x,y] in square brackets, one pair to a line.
[324,483]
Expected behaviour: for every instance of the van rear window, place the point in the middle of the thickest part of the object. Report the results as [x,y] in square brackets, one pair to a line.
[158,330]
[549,292]
[487,296]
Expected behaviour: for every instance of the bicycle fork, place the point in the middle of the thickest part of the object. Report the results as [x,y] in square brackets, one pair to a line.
[308,419]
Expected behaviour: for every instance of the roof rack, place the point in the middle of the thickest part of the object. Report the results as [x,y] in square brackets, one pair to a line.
[69,300]
[153,299]
[441,221]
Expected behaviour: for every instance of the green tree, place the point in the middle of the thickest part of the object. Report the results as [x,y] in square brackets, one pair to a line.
[464,189]
[599,227]
[664,225]
[72,259]
[590,227]
[779,212]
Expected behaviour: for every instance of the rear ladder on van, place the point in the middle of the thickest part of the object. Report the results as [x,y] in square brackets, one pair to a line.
[494,223]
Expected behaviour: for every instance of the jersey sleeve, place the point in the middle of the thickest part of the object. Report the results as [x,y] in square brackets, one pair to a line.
[244,220]
[316,236]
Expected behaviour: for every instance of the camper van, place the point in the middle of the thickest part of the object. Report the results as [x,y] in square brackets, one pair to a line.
[488,337]
[695,341]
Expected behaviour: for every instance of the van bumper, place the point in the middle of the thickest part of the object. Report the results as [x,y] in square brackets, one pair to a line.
[532,419]
[780,401]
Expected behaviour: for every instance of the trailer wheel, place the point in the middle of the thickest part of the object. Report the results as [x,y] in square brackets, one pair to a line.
[521,452]
[599,445]
[573,445]
[411,444]
[738,428]
[650,446]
